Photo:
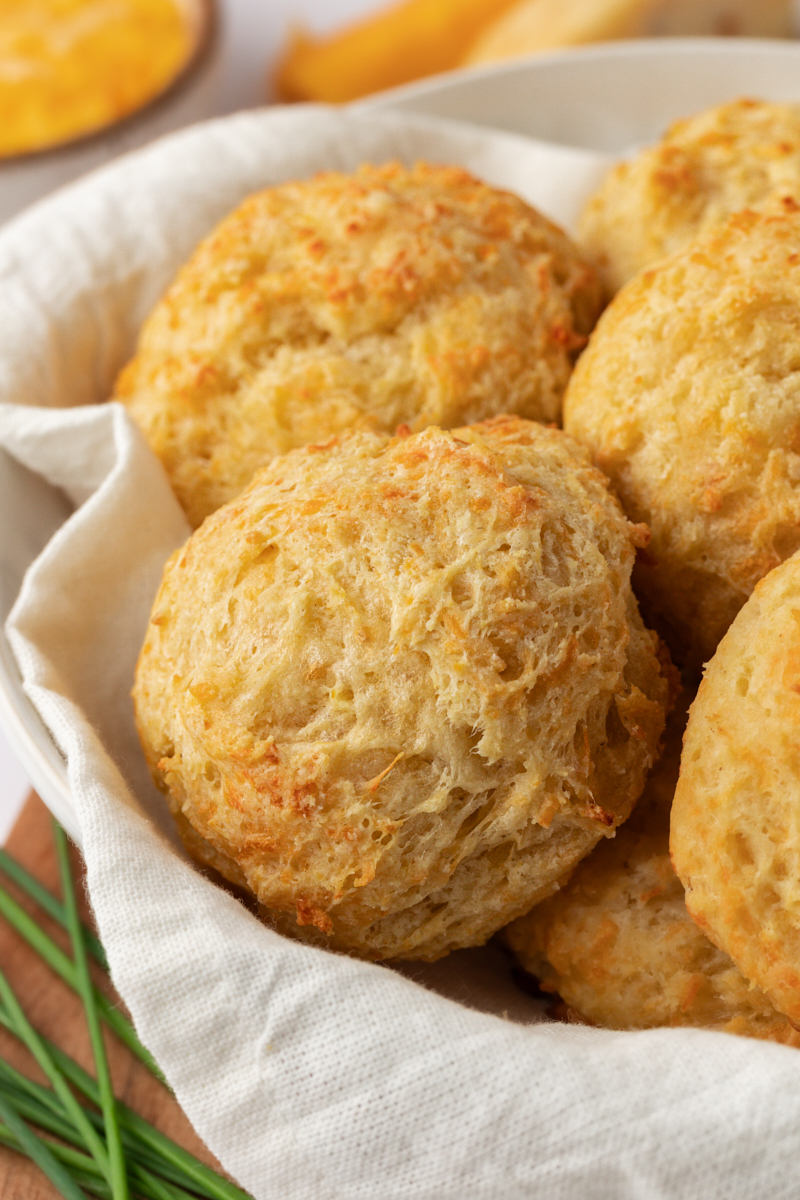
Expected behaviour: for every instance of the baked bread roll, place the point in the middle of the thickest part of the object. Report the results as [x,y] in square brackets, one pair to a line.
[735,836]
[363,301]
[738,155]
[619,946]
[689,399]
[400,686]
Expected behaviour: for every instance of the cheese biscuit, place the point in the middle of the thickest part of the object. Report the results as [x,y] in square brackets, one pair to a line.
[400,686]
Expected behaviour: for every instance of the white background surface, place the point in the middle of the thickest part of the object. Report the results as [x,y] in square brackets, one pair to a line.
[253,32]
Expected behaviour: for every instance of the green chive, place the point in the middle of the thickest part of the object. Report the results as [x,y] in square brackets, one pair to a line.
[46,900]
[27,1034]
[85,1172]
[33,1102]
[93,1185]
[202,1176]
[38,1104]
[115,1160]
[57,960]
[140,1140]
[36,1149]
[157,1168]
[65,1154]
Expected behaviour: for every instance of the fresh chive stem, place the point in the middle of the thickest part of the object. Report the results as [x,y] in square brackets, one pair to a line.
[39,1105]
[202,1177]
[157,1189]
[58,961]
[149,1173]
[36,1149]
[157,1168]
[70,1157]
[114,1163]
[50,903]
[198,1176]
[33,1101]
[94,1185]
[27,1034]
[86,1173]
[42,1108]
[41,1115]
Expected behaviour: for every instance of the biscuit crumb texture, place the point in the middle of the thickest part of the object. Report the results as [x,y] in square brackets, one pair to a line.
[688,397]
[735,835]
[618,945]
[392,296]
[400,686]
[738,155]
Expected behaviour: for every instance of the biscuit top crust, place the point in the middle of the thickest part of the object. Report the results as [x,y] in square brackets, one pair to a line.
[392,296]
[735,835]
[737,155]
[689,399]
[401,685]
[617,942]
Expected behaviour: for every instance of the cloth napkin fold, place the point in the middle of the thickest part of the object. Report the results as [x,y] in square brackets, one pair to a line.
[311,1076]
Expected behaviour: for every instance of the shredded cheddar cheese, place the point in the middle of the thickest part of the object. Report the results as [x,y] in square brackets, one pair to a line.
[68,67]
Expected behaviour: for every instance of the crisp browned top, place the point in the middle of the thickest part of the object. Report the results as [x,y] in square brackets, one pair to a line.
[391,296]
[689,398]
[401,685]
[742,154]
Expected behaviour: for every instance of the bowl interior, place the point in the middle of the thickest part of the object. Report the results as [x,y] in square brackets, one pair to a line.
[609,97]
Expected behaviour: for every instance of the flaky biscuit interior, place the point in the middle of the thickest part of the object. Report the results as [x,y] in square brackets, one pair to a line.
[400,686]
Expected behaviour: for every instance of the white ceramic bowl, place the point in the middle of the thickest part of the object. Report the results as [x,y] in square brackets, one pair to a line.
[609,97]
[604,98]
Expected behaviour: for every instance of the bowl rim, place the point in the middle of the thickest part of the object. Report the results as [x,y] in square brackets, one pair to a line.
[544,61]
[206,29]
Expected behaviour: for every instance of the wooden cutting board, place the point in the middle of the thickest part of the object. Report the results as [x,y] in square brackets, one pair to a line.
[57,1012]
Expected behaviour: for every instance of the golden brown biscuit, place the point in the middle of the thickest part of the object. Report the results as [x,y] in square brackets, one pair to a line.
[689,399]
[363,301]
[738,155]
[400,686]
[735,837]
[619,946]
